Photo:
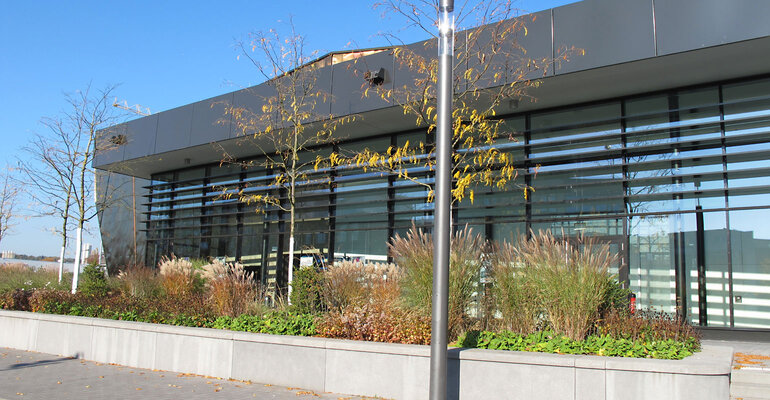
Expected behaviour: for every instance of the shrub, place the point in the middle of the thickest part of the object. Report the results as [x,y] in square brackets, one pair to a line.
[376,323]
[93,282]
[647,325]
[274,323]
[616,298]
[414,254]
[307,291]
[179,277]
[17,300]
[231,290]
[50,301]
[549,342]
[139,281]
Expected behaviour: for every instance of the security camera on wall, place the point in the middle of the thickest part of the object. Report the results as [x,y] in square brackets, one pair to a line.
[375,77]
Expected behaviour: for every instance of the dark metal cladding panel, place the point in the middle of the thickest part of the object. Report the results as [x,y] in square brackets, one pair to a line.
[525,52]
[349,84]
[684,25]
[324,83]
[140,137]
[537,40]
[174,129]
[403,76]
[251,99]
[609,31]
[118,220]
[209,122]
[109,149]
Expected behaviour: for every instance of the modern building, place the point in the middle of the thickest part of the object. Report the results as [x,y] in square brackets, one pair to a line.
[657,140]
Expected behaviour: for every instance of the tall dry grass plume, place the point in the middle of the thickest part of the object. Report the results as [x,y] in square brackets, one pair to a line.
[178,276]
[571,277]
[514,293]
[414,254]
[350,283]
[230,288]
[139,281]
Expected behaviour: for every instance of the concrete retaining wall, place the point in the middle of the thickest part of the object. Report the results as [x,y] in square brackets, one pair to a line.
[372,369]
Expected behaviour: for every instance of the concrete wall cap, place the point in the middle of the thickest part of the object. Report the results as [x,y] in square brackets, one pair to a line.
[711,360]
[302,341]
[514,357]
[379,347]
[194,331]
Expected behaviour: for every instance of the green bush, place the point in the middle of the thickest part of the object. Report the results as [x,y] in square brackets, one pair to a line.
[274,323]
[307,291]
[549,342]
[92,281]
[616,298]
[414,254]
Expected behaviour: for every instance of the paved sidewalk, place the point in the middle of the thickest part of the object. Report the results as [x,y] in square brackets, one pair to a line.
[748,355]
[29,375]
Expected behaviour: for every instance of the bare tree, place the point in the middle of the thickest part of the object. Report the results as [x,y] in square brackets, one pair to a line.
[9,193]
[61,163]
[49,174]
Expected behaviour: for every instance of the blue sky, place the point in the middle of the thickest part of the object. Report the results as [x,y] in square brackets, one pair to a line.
[163,54]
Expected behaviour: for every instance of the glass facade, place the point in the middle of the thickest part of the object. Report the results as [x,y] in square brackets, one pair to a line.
[677,181]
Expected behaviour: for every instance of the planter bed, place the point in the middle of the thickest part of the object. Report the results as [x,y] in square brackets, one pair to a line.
[365,368]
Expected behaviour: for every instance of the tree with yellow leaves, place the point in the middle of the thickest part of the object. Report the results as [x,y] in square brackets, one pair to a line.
[491,71]
[286,127]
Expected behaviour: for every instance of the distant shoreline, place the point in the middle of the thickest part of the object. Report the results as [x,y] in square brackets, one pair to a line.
[37,263]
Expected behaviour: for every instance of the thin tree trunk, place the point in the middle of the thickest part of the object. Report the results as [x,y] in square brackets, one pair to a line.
[76,267]
[61,262]
[291,242]
[64,238]
[291,261]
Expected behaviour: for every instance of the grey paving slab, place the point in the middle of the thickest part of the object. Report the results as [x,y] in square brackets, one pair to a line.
[30,375]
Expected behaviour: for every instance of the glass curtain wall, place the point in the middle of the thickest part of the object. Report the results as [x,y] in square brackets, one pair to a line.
[675,181]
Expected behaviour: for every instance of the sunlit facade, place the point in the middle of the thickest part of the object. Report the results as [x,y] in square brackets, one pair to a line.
[667,158]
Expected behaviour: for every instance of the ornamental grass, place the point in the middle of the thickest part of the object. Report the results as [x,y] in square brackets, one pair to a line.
[414,254]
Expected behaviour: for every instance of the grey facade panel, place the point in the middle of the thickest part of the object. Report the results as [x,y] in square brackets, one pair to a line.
[323,82]
[174,128]
[209,122]
[609,31]
[683,25]
[251,99]
[349,84]
[122,245]
[107,152]
[140,137]
[537,41]
[523,55]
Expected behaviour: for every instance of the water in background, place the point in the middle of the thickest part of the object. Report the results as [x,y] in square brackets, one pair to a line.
[36,263]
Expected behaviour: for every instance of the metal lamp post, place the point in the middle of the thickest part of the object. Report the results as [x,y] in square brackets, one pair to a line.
[441,216]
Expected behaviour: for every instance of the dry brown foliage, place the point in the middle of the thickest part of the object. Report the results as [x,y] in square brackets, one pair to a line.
[178,276]
[354,284]
[231,290]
